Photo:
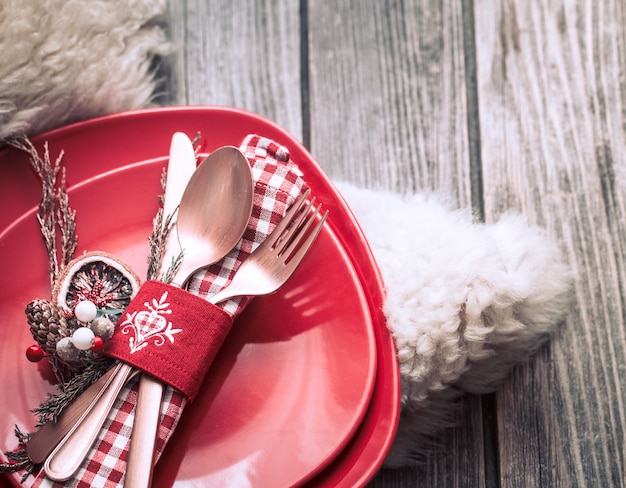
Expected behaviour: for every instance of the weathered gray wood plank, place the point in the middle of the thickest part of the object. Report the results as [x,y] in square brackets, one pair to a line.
[388,110]
[237,53]
[457,460]
[387,94]
[552,94]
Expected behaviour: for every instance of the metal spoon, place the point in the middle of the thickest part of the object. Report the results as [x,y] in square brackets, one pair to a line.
[212,216]
[202,236]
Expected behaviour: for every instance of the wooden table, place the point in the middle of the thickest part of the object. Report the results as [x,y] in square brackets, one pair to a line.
[503,104]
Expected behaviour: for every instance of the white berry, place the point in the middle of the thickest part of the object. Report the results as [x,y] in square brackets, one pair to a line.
[83,338]
[86,311]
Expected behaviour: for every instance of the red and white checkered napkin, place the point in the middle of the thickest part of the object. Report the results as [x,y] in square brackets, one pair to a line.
[278,182]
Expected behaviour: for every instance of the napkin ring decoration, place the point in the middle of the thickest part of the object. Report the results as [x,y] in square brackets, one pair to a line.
[171,334]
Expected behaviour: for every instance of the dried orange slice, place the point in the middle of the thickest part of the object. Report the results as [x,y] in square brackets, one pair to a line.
[98,277]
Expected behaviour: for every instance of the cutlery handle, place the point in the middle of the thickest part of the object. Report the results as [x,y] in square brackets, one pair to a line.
[65,460]
[145,428]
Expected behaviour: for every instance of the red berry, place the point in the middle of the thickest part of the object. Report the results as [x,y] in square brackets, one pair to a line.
[98,344]
[34,353]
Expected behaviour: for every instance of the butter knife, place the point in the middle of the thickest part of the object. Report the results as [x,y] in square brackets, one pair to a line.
[141,454]
[43,442]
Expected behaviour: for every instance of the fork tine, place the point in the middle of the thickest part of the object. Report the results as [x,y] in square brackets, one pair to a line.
[295,227]
[277,257]
[279,230]
[301,243]
[299,229]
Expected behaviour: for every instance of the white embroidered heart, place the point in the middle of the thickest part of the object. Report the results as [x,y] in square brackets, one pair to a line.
[149,324]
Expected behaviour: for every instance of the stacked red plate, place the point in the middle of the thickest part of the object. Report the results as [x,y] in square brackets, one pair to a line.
[305,390]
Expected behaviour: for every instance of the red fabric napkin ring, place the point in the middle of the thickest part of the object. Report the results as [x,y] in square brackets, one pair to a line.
[171,334]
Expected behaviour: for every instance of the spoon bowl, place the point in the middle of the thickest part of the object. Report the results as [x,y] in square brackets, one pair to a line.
[214,210]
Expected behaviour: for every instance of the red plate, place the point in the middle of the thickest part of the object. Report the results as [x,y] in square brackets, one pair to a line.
[290,389]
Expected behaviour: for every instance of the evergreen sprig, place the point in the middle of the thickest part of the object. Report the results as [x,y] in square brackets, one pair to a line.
[18,459]
[51,408]
[54,212]
[162,226]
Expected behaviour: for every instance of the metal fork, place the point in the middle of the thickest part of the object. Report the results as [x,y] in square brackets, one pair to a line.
[277,257]
[268,267]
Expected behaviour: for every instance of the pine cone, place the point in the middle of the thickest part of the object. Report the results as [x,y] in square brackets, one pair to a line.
[48,324]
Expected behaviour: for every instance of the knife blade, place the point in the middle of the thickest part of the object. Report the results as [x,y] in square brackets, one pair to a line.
[182,164]
[43,442]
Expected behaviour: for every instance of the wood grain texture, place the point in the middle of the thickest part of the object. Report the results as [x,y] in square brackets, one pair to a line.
[237,53]
[458,458]
[552,100]
[387,94]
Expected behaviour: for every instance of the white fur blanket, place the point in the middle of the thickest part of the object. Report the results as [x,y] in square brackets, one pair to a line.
[68,60]
[465,301]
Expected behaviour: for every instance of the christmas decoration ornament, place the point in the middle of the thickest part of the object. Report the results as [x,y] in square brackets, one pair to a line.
[66,351]
[96,277]
[102,327]
[88,295]
[35,353]
[85,311]
[48,324]
[83,338]
[98,344]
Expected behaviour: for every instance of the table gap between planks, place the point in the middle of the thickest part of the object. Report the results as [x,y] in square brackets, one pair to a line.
[501,105]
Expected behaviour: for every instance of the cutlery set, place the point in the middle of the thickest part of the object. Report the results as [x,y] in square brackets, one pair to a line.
[212,205]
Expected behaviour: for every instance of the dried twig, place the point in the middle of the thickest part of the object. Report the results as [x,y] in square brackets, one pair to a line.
[66,218]
[156,241]
[162,225]
[54,211]
[18,459]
